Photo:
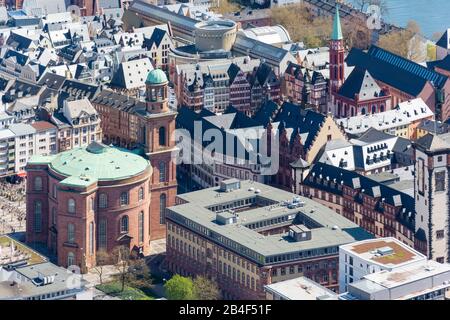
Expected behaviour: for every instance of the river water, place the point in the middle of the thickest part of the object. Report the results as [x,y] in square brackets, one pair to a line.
[432,15]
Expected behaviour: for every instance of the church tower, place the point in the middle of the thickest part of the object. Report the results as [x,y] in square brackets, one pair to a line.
[157,133]
[337,53]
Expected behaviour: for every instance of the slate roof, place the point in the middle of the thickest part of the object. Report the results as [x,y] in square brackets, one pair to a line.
[228,124]
[266,113]
[394,70]
[442,64]
[233,71]
[52,81]
[132,74]
[77,88]
[444,41]
[373,135]
[330,178]
[294,118]
[360,82]
[156,38]
[433,143]
[18,42]
[118,101]
[20,89]
[19,58]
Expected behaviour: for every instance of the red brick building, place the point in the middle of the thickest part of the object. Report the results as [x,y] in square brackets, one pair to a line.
[148,126]
[89,199]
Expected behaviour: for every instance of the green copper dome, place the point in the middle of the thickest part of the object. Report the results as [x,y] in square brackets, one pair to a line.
[97,162]
[156,76]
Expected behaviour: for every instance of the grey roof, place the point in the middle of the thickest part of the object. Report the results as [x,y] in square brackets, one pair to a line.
[260,49]
[21,129]
[373,135]
[164,15]
[434,143]
[29,289]
[328,228]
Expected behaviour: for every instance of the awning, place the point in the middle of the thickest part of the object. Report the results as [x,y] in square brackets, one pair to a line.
[22,174]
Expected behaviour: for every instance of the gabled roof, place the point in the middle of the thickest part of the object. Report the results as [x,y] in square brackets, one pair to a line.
[360,82]
[444,41]
[394,70]
[331,179]
[18,57]
[431,142]
[156,38]
[132,74]
[373,135]
[52,81]
[233,71]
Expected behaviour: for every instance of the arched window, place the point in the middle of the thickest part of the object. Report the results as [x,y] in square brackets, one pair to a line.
[374,109]
[162,136]
[124,198]
[141,226]
[70,259]
[162,208]
[141,193]
[38,216]
[382,108]
[103,200]
[124,224]
[71,206]
[162,172]
[38,184]
[71,233]
[363,111]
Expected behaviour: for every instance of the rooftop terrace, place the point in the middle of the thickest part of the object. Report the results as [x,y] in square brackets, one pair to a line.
[388,252]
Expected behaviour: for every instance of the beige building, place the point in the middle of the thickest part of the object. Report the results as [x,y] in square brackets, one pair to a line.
[78,124]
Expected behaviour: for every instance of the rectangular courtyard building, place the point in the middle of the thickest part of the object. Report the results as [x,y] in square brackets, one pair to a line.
[246,235]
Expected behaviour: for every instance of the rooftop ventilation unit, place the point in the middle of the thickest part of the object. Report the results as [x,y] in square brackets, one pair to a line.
[385,251]
[226,218]
[299,233]
[230,185]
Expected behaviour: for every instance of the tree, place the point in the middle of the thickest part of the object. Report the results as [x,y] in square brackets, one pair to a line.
[303,25]
[205,289]
[121,258]
[102,258]
[403,42]
[226,6]
[139,273]
[179,288]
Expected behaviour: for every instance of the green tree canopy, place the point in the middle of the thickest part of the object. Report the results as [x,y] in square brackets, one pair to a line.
[179,288]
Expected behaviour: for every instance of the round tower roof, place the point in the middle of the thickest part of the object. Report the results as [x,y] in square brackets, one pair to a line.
[156,76]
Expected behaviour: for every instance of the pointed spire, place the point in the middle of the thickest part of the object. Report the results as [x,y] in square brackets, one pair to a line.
[337,29]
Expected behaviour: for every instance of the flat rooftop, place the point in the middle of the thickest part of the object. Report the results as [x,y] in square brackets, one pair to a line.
[20,252]
[405,275]
[388,252]
[301,289]
[63,281]
[274,209]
